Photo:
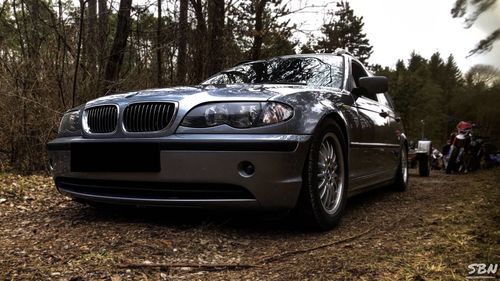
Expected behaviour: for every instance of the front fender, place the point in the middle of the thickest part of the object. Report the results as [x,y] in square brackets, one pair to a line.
[313,107]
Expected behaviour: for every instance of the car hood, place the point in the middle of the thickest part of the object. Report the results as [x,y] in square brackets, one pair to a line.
[193,95]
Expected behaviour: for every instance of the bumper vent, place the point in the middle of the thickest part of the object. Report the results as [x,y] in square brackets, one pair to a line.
[152,190]
[148,117]
[102,119]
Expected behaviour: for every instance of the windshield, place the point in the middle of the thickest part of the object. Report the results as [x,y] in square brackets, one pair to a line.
[327,71]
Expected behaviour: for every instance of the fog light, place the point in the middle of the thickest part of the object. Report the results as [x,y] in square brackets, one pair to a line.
[246,169]
[51,165]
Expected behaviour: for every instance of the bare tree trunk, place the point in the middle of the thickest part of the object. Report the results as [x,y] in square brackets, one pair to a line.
[200,47]
[259,26]
[159,49]
[182,37]
[17,139]
[31,61]
[102,35]
[35,39]
[60,62]
[216,33]
[139,49]
[91,40]
[78,52]
[18,29]
[115,59]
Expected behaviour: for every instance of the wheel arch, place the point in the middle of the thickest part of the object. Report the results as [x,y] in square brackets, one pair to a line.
[340,120]
[404,141]
[342,124]
[309,201]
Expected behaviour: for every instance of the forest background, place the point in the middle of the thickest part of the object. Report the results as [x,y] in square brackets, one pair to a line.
[57,54]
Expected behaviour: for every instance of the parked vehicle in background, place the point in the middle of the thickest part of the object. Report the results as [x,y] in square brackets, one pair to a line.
[436,159]
[423,156]
[491,154]
[297,132]
[412,155]
[445,151]
[492,159]
[458,156]
[475,153]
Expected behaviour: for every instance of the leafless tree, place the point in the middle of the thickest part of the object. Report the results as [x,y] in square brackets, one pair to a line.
[216,36]
[182,37]
[116,55]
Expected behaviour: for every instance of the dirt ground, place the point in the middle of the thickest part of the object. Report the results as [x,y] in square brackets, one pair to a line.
[433,231]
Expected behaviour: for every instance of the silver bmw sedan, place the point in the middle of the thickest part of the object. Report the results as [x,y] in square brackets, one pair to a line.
[301,132]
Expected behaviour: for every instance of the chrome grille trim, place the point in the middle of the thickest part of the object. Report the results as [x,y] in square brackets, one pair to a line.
[101,119]
[148,116]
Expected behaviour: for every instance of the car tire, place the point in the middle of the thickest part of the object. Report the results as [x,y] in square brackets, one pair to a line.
[324,190]
[402,173]
[423,165]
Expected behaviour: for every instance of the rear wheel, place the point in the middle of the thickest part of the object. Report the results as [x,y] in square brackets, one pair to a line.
[401,180]
[323,196]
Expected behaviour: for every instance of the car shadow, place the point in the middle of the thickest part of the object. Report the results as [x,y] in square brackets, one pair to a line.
[251,221]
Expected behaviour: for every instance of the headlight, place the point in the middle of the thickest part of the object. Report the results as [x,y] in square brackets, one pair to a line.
[70,123]
[238,115]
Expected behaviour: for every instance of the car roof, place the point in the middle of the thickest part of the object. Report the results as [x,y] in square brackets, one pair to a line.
[318,55]
[313,55]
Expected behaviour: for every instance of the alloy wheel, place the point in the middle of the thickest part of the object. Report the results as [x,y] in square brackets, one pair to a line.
[330,173]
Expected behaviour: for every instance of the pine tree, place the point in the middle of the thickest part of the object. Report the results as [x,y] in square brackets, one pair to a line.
[417,95]
[260,30]
[345,30]
[436,67]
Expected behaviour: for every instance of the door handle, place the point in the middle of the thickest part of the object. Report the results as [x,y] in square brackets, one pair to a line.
[384,114]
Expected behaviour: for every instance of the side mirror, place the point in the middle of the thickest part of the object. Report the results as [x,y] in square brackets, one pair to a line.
[374,84]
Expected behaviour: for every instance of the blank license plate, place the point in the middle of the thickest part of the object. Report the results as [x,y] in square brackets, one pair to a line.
[115,157]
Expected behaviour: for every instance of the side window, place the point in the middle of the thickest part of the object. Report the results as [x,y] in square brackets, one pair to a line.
[357,72]
[384,100]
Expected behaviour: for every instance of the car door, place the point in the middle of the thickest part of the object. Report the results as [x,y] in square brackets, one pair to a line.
[372,159]
[391,135]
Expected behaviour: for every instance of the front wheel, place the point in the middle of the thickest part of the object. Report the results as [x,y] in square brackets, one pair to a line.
[323,196]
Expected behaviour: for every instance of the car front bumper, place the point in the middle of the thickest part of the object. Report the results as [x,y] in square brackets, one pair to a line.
[197,170]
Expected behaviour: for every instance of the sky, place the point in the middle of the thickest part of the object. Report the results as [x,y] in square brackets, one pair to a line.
[395,28]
